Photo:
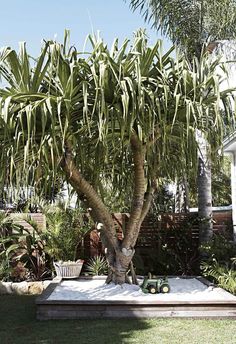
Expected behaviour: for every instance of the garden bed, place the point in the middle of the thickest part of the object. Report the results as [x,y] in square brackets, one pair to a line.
[83,298]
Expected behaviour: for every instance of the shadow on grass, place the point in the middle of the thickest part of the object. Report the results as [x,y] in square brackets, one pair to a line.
[18,324]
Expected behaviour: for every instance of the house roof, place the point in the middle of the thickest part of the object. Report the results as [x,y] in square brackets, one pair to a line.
[229,143]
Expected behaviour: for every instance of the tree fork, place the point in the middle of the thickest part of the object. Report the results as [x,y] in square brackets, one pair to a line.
[117,257]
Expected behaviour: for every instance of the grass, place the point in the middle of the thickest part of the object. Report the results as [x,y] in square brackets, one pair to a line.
[18,324]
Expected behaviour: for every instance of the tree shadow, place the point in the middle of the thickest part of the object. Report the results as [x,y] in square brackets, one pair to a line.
[19,325]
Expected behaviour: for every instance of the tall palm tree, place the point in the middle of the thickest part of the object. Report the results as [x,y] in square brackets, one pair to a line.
[190,23]
[125,114]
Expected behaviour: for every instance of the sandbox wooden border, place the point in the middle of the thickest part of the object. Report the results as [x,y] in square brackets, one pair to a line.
[79,309]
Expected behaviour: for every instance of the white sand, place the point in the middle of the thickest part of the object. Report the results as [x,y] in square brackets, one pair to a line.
[181,290]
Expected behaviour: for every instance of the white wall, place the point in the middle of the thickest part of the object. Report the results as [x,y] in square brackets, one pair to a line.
[233,188]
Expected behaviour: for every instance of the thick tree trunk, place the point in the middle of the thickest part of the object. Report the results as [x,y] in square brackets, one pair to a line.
[119,268]
[133,225]
[204,193]
[119,253]
[186,194]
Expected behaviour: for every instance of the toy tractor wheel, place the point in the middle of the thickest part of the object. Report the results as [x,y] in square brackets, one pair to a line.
[165,288]
[152,289]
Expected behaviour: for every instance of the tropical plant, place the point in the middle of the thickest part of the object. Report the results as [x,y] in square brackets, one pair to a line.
[65,231]
[7,225]
[97,266]
[219,249]
[7,228]
[192,25]
[219,262]
[5,269]
[22,253]
[224,276]
[121,118]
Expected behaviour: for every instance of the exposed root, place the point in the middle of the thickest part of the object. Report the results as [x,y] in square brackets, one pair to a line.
[127,279]
[109,277]
[133,274]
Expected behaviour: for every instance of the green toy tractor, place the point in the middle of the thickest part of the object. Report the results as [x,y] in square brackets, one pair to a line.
[155,285]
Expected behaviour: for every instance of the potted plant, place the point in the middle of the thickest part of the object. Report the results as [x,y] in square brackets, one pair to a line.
[65,231]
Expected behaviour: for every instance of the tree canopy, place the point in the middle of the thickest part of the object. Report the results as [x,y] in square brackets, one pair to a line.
[113,119]
[96,104]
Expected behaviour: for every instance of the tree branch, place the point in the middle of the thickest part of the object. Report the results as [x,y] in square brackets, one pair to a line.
[138,151]
[148,200]
[81,185]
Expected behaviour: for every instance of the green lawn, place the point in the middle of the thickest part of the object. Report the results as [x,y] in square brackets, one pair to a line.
[19,325]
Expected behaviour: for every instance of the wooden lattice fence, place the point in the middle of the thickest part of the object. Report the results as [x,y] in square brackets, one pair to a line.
[177,233]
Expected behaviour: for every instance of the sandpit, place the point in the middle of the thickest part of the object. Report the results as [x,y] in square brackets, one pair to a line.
[181,289]
[83,298]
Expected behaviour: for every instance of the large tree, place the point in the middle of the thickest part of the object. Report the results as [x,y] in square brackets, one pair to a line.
[192,24]
[98,121]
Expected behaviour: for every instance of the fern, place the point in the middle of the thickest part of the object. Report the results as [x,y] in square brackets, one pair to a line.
[224,276]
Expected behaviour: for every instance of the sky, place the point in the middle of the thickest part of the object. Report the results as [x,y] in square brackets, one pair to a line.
[33,20]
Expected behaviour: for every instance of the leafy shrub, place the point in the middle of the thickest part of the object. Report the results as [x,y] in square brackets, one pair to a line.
[22,254]
[5,270]
[28,254]
[220,262]
[175,252]
[219,249]
[223,276]
[65,231]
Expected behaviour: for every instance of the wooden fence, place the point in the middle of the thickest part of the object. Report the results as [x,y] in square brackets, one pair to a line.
[161,230]
[166,223]
[156,232]
[169,244]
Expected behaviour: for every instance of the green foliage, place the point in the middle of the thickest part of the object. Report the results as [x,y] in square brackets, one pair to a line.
[65,231]
[5,269]
[219,263]
[22,253]
[191,23]
[163,201]
[7,226]
[97,266]
[27,254]
[220,249]
[175,252]
[224,276]
[96,104]
[221,185]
